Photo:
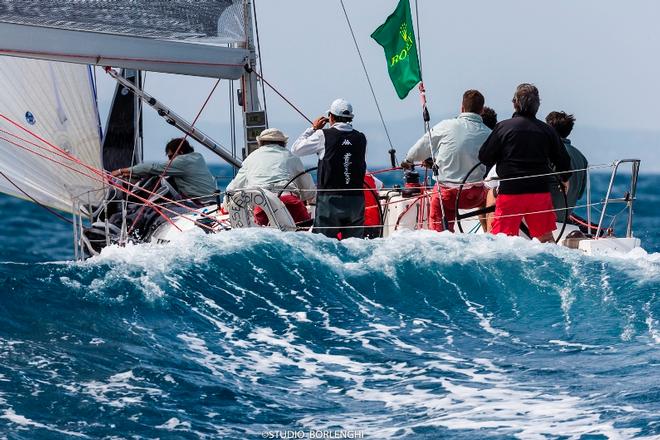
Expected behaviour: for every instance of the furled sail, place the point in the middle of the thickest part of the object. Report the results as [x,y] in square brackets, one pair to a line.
[50,140]
[175,36]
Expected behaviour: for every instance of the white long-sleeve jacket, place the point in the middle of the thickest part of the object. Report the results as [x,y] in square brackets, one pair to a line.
[271,167]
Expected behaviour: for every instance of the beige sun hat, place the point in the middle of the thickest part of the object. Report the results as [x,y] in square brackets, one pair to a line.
[272,135]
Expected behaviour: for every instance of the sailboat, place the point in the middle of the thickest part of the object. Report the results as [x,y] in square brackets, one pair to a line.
[54,151]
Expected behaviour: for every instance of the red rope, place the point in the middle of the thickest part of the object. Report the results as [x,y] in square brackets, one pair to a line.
[102,175]
[93,178]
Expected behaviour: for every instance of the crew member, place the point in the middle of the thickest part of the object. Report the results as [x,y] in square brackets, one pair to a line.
[489,116]
[342,164]
[454,146]
[191,176]
[271,167]
[564,123]
[524,146]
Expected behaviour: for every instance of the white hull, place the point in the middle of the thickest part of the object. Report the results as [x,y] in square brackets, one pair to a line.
[400,213]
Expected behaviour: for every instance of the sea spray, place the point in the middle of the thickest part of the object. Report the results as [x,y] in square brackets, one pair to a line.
[258,331]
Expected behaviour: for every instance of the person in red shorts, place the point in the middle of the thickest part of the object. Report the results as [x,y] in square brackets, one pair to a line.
[454,144]
[272,167]
[525,146]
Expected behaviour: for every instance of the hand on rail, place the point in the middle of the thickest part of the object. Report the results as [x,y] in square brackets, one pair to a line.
[407,165]
[428,163]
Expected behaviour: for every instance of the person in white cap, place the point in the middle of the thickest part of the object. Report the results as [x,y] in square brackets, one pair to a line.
[272,166]
[342,164]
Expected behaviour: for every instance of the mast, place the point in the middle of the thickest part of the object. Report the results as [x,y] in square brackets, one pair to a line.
[254,116]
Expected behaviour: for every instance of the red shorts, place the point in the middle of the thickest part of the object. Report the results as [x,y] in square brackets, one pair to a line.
[293,204]
[510,209]
[474,197]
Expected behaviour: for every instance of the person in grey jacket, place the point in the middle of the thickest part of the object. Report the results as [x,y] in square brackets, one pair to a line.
[192,177]
[563,123]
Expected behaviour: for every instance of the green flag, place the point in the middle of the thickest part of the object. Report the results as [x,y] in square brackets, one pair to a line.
[397,37]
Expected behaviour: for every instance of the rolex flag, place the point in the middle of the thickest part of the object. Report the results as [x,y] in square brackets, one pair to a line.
[397,37]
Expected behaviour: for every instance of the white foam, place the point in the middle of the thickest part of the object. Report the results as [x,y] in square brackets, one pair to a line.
[175,424]
[10,414]
[573,345]
[121,390]
[445,390]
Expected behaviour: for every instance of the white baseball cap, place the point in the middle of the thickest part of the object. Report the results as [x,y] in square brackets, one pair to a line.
[342,108]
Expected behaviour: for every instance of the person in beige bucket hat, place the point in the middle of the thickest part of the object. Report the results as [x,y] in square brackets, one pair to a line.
[272,135]
[271,167]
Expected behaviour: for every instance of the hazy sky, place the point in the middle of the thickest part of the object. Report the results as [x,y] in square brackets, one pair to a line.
[596,59]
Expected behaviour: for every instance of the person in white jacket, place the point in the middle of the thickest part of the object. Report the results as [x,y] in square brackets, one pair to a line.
[272,167]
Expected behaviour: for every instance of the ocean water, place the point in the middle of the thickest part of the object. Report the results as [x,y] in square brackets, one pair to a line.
[261,334]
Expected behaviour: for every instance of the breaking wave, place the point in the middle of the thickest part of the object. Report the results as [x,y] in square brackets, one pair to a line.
[421,335]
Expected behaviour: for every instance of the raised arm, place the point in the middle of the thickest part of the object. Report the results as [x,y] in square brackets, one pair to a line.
[310,142]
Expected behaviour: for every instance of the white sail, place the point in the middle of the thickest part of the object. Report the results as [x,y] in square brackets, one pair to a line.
[55,102]
[173,36]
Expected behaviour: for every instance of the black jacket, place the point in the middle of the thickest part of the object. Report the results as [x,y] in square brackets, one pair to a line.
[525,146]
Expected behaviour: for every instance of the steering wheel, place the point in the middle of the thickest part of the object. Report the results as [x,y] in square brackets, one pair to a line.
[381,215]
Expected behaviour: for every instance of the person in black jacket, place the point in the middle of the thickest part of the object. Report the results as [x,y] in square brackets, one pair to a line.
[524,146]
[340,178]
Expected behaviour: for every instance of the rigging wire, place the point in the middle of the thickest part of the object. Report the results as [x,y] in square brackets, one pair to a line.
[293,106]
[178,148]
[261,66]
[47,208]
[366,73]
[97,174]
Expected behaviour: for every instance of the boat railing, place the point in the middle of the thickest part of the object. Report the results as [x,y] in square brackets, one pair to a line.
[628,198]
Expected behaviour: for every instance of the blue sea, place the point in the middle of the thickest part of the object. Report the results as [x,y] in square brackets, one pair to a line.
[260,334]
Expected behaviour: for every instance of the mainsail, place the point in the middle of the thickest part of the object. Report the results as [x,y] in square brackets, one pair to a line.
[174,36]
[50,140]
